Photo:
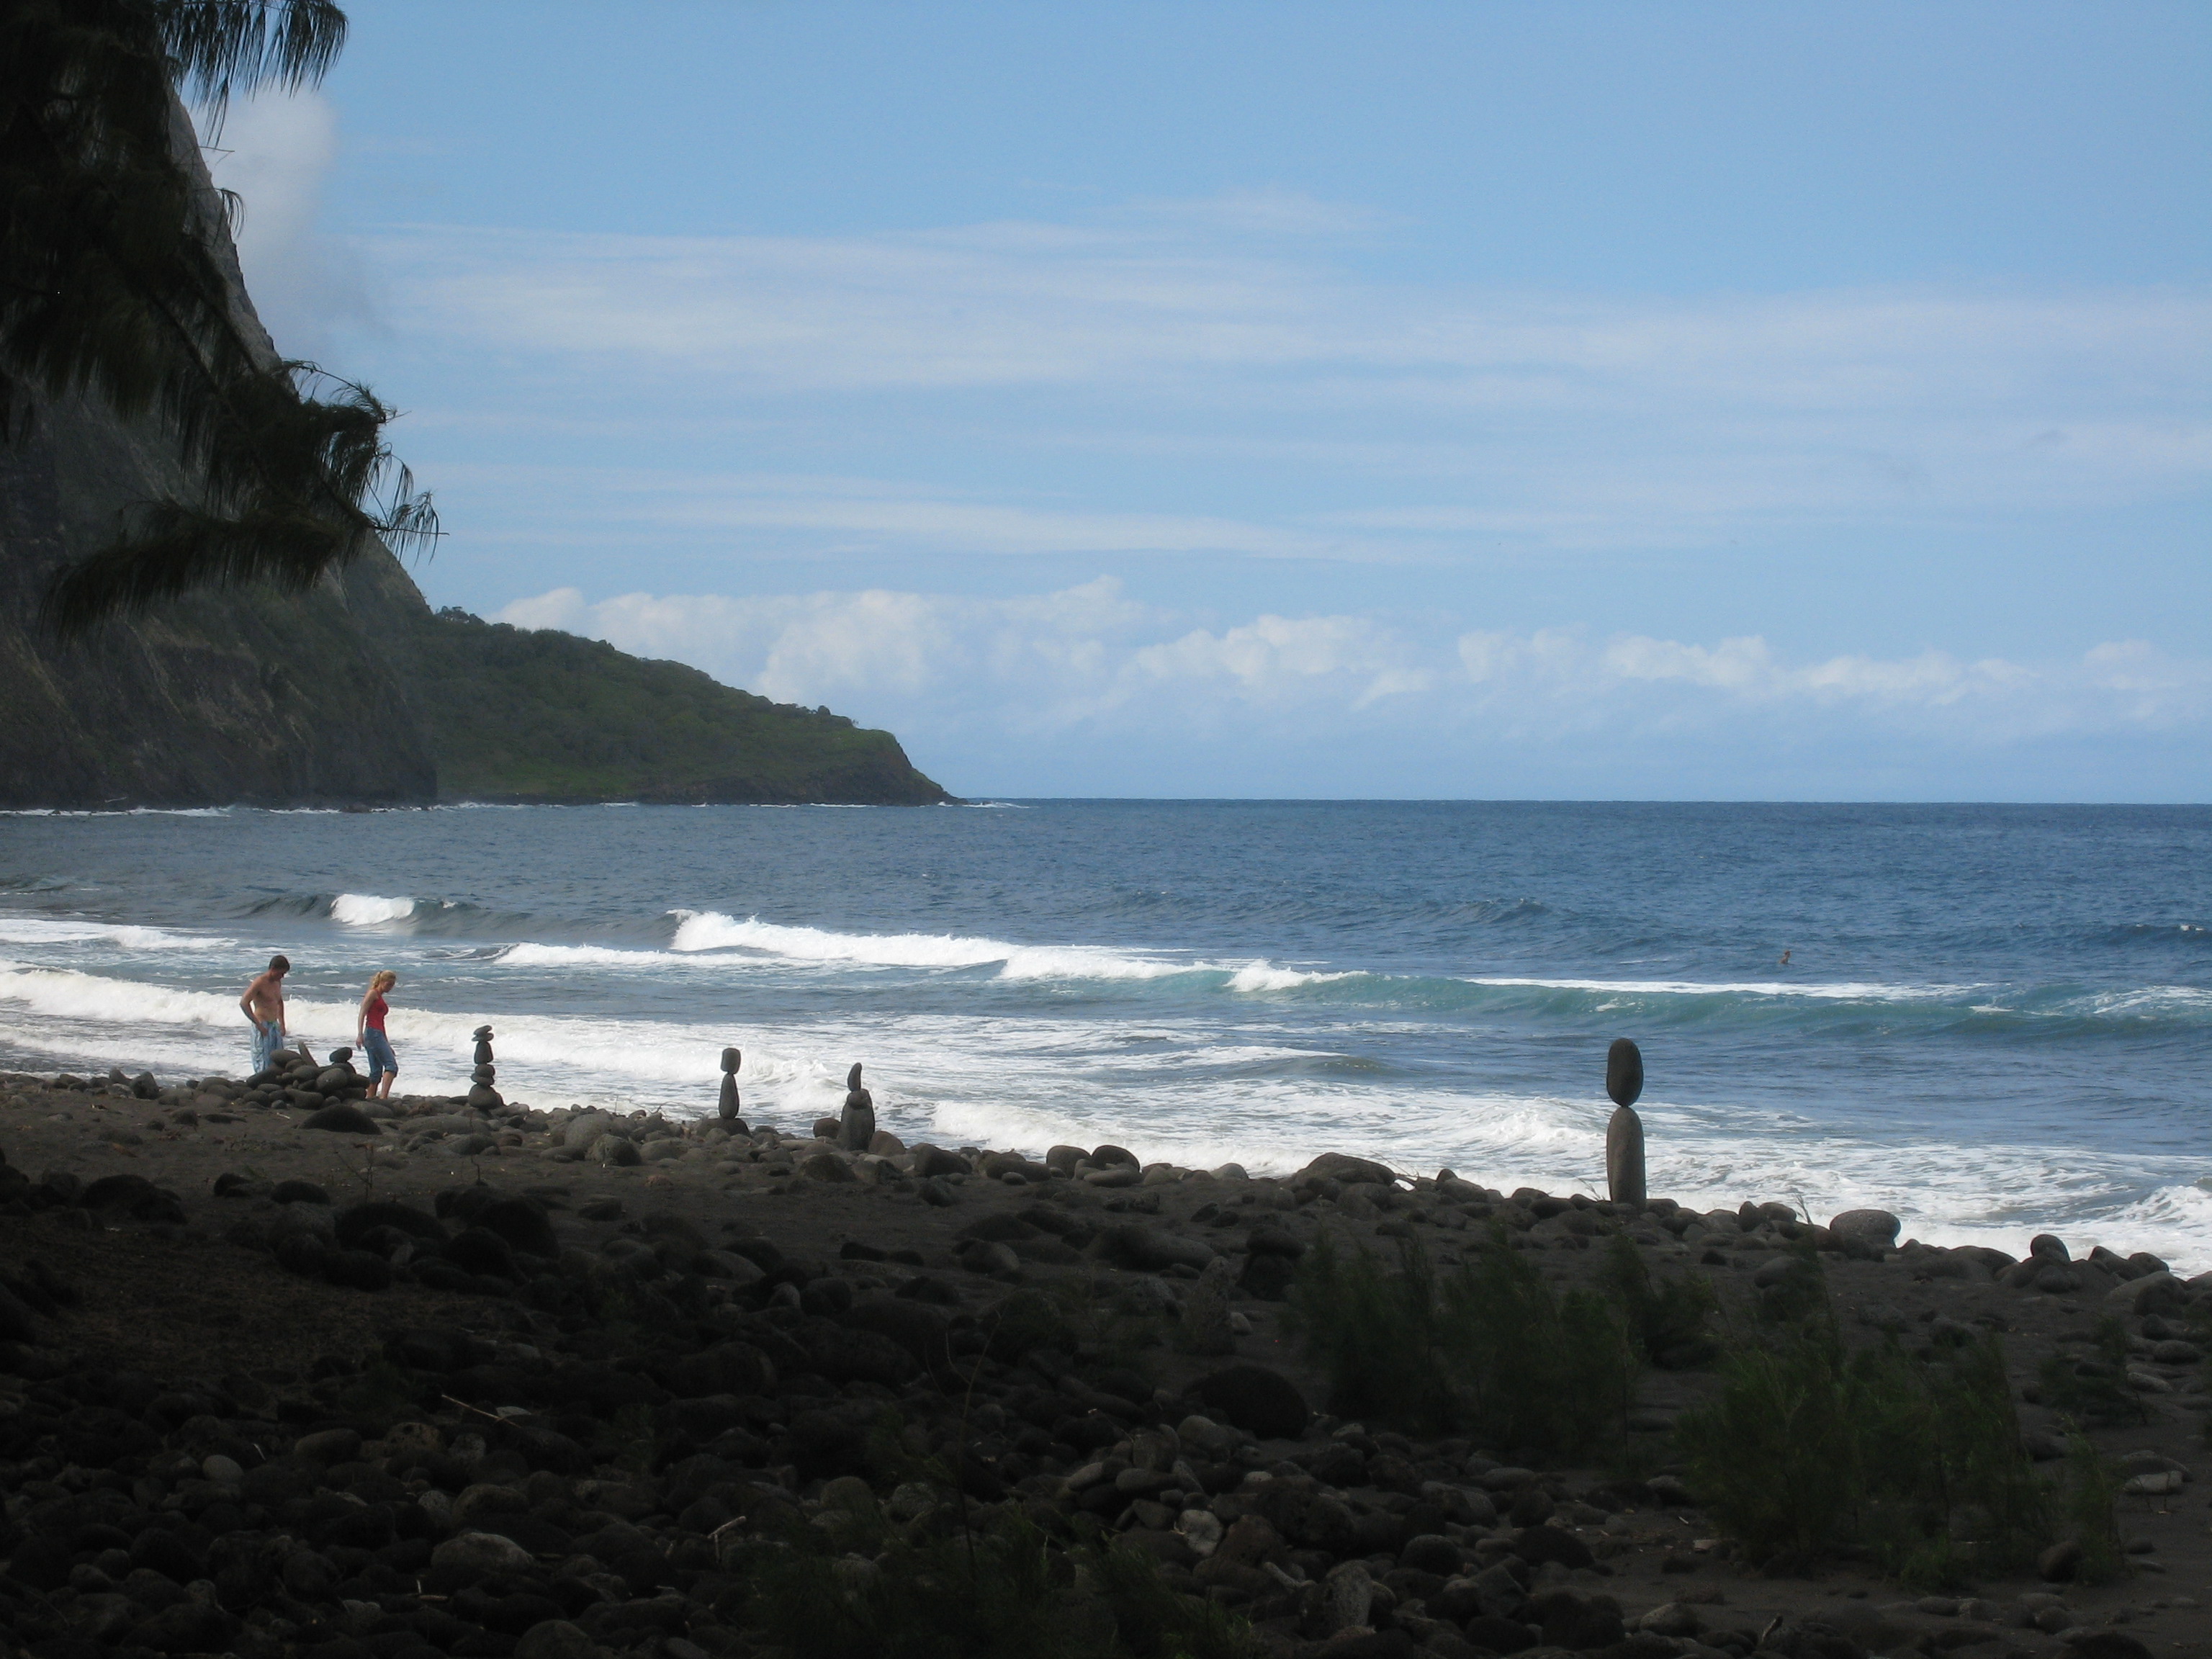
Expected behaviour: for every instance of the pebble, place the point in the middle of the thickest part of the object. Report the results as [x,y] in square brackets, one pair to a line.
[481,1554]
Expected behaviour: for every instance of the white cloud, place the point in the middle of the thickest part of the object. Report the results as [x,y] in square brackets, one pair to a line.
[1442,414]
[276,151]
[1087,661]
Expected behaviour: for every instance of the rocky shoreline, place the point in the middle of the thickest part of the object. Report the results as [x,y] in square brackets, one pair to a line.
[286,1371]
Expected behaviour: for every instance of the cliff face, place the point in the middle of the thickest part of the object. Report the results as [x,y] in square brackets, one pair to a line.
[249,696]
[353,693]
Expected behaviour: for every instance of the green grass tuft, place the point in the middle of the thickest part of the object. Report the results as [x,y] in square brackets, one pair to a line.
[865,1588]
[1488,1348]
[1666,1317]
[1812,1450]
[2092,1511]
[2094,1388]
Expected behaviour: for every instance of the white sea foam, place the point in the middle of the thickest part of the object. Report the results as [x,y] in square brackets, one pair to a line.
[548,1059]
[2146,1001]
[709,930]
[1851,991]
[590,956]
[1170,1088]
[40,930]
[367,909]
[712,931]
[1266,976]
[117,812]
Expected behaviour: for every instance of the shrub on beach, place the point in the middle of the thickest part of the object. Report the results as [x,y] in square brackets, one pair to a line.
[2093,1387]
[855,1585]
[1665,1317]
[1487,1348]
[1915,1461]
[2092,1513]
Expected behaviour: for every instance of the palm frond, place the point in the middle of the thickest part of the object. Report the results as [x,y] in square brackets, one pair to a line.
[174,549]
[116,286]
[225,46]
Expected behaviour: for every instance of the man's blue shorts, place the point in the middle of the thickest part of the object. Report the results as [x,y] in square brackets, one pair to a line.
[379,1050]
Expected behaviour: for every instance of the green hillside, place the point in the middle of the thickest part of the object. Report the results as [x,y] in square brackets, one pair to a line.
[516,716]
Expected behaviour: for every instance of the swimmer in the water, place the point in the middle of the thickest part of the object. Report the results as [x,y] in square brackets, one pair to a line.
[1784,963]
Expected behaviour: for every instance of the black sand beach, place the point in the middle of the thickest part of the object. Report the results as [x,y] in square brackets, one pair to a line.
[518,1382]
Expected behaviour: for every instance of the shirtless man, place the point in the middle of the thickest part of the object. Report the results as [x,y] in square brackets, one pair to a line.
[264,1005]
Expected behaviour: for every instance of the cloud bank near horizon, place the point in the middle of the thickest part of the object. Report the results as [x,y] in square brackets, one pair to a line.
[982,681]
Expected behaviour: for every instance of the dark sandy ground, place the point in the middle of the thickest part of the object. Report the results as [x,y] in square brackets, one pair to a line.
[173,1298]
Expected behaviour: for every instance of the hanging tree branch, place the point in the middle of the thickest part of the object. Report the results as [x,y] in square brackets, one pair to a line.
[113,287]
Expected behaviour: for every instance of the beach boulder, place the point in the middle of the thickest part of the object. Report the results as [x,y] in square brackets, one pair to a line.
[1872,1230]
[343,1120]
[584,1128]
[357,1219]
[2157,1292]
[523,1223]
[930,1161]
[1149,1250]
[1255,1399]
[1342,1166]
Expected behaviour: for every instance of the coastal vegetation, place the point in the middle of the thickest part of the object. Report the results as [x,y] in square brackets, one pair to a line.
[1486,1346]
[858,1584]
[516,716]
[1814,1449]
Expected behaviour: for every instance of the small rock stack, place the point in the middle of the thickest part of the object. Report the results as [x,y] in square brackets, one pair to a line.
[856,1124]
[1624,1135]
[727,1110]
[481,1095]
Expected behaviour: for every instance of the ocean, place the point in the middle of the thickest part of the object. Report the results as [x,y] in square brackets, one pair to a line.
[1993,1020]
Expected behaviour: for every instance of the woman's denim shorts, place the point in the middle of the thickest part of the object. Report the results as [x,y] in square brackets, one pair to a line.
[379,1050]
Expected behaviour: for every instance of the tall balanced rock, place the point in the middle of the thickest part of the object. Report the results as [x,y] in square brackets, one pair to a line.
[856,1124]
[1624,1135]
[482,1096]
[727,1108]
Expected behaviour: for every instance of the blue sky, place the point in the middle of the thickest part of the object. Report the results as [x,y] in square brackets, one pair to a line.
[1606,400]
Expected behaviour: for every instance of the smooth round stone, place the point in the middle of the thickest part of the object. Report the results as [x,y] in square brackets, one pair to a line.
[1624,1072]
[1876,1227]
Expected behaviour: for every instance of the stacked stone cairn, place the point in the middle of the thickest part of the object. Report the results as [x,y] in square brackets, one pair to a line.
[481,1095]
[1624,1135]
[728,1107]
[856,1124]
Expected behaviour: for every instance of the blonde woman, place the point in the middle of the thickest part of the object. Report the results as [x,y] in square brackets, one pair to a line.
[368,1036]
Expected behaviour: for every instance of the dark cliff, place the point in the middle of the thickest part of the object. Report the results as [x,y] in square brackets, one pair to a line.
[246,696]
